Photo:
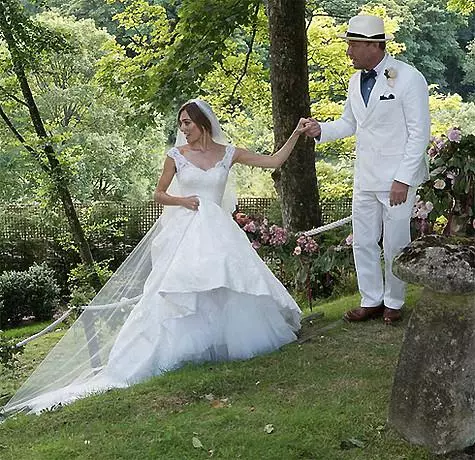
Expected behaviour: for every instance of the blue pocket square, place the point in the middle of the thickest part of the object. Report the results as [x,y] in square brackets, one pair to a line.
[387,97]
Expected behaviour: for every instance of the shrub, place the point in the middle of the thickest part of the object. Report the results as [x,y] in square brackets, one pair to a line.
[43,292]
[317,266]
[19,255]
[31,293]
[9,352]
[13,294]
[449,195]
[82,291]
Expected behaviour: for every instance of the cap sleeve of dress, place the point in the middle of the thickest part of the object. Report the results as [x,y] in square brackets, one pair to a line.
[229,155]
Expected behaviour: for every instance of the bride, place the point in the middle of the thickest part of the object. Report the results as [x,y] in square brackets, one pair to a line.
[192,290]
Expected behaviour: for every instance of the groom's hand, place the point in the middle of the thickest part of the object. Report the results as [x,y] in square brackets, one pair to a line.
[313,128]
[398,193]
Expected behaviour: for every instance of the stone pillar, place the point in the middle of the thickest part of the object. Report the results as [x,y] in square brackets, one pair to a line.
[433,396]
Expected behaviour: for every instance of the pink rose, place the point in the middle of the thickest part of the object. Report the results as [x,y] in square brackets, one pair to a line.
[349,239]
[301,240]
[297,250]
[311,246]
[432,152]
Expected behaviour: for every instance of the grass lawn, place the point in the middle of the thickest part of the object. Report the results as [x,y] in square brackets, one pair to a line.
[326,399]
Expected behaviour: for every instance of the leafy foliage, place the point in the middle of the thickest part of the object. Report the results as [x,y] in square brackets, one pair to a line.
[104,149]
[80,282]
[30,38]
[463,6]
[170,55]
[9,352]
[335,181]
[31,293]
[469,64]
[450,192]
[316,266]
[435,51]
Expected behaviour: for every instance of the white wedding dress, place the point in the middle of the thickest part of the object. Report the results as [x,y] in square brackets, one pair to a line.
[206,296]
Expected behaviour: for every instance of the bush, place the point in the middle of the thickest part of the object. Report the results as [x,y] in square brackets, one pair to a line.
[24,294]
[449,194]
[9,352]
[319,266]
[20,255]
[82,291]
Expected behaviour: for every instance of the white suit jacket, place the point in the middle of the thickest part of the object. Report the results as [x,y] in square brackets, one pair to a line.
[392,132]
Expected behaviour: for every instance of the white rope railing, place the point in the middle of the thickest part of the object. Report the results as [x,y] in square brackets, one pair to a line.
[124,302]
[325,228]
[66,314]
[121,303]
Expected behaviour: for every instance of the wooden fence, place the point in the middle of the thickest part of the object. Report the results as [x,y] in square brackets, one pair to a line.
[33,222]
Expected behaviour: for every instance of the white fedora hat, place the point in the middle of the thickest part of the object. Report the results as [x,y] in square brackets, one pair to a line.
[366,28]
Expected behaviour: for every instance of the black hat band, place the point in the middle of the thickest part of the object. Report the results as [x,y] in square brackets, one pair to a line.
[371,37]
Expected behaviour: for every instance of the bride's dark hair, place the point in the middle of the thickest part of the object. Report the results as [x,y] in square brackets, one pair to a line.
[196,115]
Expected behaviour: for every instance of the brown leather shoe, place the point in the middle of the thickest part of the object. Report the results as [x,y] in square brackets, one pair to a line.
[363,313]
[391,315]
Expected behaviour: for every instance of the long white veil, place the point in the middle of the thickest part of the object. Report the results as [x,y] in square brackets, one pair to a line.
[85,348]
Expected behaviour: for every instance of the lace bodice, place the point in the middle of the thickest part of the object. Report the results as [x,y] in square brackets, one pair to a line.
[208,184]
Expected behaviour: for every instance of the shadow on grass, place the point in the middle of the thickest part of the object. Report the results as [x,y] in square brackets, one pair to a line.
[323,399]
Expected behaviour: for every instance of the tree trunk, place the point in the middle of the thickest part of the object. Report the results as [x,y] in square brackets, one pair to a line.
[296,181]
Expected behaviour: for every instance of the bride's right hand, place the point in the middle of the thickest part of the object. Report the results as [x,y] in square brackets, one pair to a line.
[191,202]
[306,125]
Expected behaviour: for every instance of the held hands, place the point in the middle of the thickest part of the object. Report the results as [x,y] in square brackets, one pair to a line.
[304,125]
[398,193]
[191,202]
[313,128]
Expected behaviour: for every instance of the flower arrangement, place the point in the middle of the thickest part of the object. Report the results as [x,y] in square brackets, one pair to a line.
[390,73]
[449,195]
[299,261]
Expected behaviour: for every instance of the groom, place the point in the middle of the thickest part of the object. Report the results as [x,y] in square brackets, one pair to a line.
[387,108]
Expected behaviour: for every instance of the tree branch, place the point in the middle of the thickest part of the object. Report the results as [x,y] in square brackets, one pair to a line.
[248,54]
[22,140]
[12,96]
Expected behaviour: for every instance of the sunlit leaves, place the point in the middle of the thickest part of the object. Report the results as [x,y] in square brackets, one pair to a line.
[172,55]
[100,141]
[462,6]
[30,39]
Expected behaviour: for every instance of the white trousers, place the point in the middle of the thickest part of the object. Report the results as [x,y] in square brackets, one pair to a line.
[372,216]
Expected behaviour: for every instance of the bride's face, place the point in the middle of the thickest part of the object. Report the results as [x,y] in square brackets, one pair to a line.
[189,128]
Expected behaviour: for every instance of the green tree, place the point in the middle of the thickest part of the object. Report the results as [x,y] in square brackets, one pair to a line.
[463,6]
[25,41]
[168,57]
[108,155]
[434,38]
[172,57]
[469,64]
[435,51]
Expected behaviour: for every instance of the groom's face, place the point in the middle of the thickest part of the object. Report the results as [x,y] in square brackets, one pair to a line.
[363,54]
